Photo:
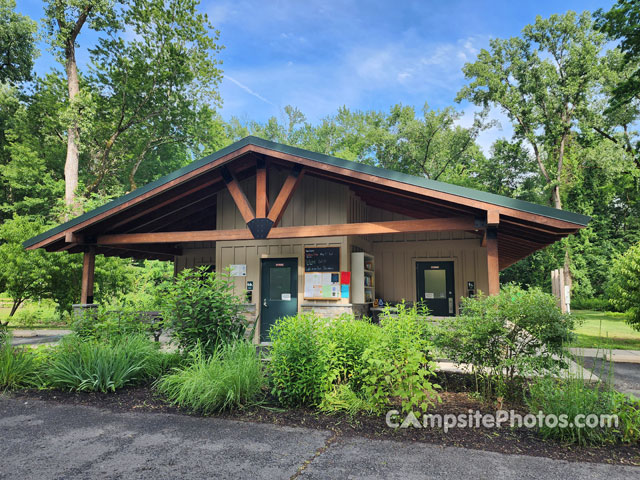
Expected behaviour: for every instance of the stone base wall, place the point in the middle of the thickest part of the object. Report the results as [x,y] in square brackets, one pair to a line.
[251,315]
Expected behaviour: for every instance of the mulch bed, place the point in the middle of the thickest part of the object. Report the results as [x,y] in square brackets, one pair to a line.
[503,440]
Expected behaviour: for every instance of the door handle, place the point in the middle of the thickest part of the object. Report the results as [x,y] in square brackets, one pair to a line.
[264,303]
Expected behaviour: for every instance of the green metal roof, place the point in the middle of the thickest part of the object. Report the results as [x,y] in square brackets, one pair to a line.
[465,192]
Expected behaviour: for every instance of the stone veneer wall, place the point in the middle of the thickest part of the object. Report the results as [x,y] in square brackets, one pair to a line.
[335,310]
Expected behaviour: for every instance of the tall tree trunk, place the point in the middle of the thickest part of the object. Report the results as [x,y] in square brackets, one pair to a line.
[73,133]
[73,85]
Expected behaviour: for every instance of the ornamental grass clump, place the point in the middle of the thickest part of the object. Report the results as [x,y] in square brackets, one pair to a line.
[615,417]
[17,366]
[231,377]
[89,365]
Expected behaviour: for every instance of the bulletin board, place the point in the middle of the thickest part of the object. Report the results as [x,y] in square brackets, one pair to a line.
[322,273]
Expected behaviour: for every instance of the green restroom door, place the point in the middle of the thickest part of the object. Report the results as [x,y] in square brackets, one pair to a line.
[436,287]
[278,292]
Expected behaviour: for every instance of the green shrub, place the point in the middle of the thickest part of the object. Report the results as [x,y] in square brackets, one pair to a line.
[503,336]
[397,363]
[624,287]
[201,309]
[232,377]
[300,364]
[591,303]
[347,339]
[89,365]
[628,411]
[344,364]
[17,366]
[109,322]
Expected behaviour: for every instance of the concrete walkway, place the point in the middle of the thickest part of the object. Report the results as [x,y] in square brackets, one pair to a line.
[41,440]
[622,356]
[24,336]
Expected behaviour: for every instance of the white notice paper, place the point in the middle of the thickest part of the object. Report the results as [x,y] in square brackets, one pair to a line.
[239,270]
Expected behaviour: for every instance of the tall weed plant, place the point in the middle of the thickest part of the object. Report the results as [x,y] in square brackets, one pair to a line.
[398,365]
[300,359]
[577,395]
[350,365]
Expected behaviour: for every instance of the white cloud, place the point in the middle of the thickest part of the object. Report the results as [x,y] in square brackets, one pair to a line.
[416,67]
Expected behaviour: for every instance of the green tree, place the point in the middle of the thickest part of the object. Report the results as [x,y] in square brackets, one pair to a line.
[150,89]
[24,275]
[432,146]
[624,290]
[542,80]
[33,275]
[621,23]
[509,170]
[153,93]
[17,44]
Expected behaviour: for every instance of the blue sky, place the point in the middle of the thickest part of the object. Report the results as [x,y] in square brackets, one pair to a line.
[320,55]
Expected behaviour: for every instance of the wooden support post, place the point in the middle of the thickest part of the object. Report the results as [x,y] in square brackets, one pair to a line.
[262,197]
[493,265]
[493,218]
[88,267]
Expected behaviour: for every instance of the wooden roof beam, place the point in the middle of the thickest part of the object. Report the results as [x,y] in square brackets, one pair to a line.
[240,199]
[286,192]
[366,228]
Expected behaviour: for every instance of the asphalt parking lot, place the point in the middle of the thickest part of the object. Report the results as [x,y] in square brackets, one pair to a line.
[44,440]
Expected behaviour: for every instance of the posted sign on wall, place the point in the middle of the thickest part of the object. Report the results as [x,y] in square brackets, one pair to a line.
[322,273]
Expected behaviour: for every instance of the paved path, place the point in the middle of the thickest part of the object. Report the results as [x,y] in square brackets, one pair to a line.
[41,440]
[24,336]
[622,356]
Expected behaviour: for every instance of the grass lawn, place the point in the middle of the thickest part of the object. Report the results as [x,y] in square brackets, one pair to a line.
[30,314]
[605,330]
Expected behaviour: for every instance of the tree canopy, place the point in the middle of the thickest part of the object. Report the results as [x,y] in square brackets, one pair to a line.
[145,103]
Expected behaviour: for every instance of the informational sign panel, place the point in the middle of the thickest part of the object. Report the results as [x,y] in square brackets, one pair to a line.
[322,273]
[239,270]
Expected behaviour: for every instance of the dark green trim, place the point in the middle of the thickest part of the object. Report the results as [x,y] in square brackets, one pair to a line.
[465,192]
